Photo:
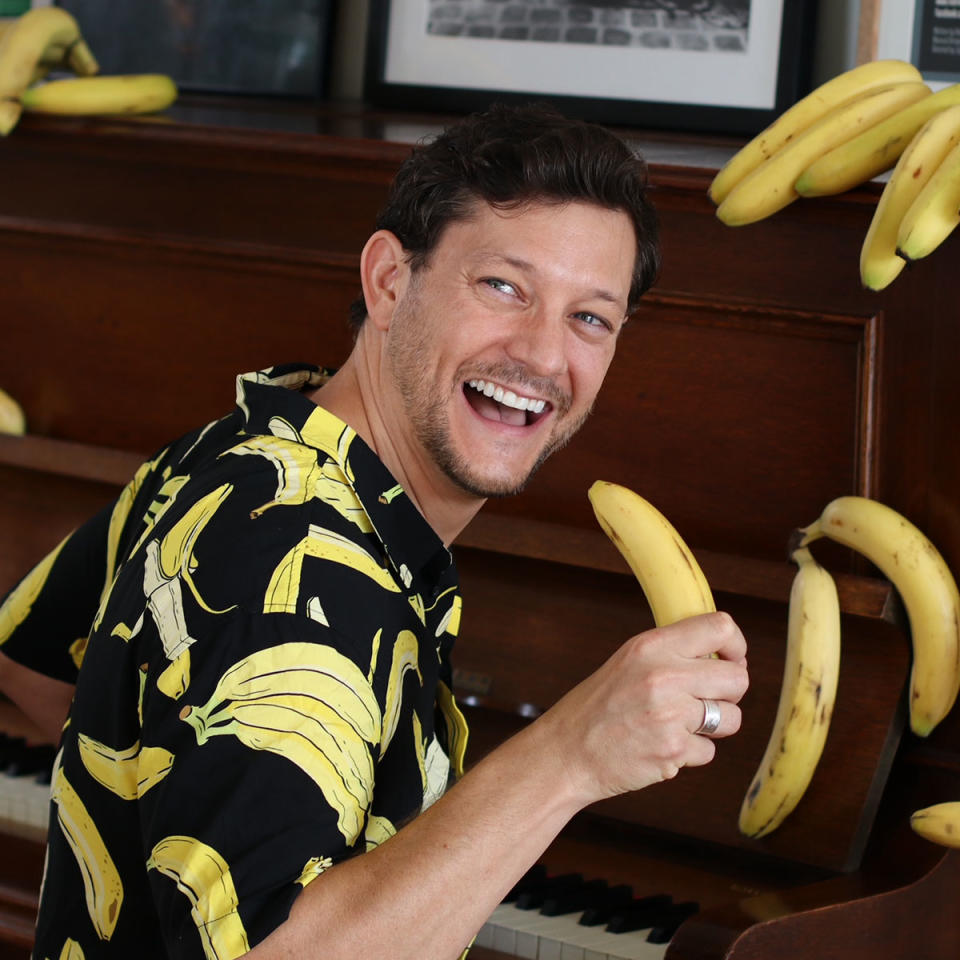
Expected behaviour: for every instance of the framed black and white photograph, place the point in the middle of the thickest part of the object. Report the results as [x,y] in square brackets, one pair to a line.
[725,66]
[924,32]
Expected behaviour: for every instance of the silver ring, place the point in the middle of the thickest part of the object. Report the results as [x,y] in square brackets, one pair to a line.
[711,718]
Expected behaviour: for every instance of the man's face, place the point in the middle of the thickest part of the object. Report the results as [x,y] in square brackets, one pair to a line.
[499,345]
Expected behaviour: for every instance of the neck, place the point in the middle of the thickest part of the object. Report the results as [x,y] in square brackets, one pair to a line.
[360,394]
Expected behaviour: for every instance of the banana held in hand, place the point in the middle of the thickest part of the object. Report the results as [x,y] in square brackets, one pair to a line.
[874,150]
[926,585]
[88,96]
[879,262]
[771,186]
[807,694]
[933,215]
[12,419]
[803,114]
[939,823]
[669,575]
[204,877]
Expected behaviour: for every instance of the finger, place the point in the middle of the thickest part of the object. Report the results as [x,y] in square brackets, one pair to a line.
[706,635]
[718,680]
[714,719]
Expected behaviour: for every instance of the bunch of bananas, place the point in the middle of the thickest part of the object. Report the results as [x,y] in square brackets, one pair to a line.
[311,705]
[45,39]
[855,126]
[675,587]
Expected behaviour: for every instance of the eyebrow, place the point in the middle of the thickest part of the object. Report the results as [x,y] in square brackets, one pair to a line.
[525,265]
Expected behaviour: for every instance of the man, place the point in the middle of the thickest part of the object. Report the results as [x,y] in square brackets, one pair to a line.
[265,691]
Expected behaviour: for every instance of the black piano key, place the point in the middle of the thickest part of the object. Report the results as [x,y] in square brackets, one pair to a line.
[49,756]
[652,911]
[601,913]
[11,751]
[533,898]
[588,894]
[29,763]
[678,912]
[535,875]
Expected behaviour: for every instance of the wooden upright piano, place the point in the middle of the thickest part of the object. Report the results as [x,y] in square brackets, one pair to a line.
[147,261]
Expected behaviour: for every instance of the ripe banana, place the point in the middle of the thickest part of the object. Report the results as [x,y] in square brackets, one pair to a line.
[879,262]
[669,575]
[309,704]
[204,877]
[873,151]
[804,113]
[933,215]
[86,96]
[939,823]
[10,111]
[12,419]
[926,585]
[771,186]
[808,690]
[40,34]
[101,881]
[128,773]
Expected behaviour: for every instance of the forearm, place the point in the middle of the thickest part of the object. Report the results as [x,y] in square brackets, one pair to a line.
[43,699]
[426,892]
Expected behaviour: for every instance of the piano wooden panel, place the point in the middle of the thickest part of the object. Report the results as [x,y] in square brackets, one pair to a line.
[150,262]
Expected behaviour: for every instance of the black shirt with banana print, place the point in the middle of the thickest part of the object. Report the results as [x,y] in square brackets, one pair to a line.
[265,688]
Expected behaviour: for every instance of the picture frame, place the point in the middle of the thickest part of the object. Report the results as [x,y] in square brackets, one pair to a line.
[924,32]
[280,48]
[712,66]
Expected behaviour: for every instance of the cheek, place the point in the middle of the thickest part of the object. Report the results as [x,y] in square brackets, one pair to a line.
[587,376]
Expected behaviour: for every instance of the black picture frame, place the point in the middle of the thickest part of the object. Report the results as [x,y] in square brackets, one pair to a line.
[280,48]
[788,70]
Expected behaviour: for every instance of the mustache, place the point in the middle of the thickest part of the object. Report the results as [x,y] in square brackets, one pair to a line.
[518,376]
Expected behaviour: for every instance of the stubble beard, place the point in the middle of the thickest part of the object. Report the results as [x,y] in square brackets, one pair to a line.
[408,355]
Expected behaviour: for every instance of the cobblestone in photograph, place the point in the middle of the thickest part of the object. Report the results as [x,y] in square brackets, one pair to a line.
[689,25]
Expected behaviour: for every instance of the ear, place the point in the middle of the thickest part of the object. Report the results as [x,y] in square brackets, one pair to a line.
[383,274]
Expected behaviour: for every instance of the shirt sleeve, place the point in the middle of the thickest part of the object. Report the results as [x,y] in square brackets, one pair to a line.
[45,619]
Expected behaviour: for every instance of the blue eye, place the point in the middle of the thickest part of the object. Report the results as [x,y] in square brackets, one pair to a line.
[592,320]
[500,285]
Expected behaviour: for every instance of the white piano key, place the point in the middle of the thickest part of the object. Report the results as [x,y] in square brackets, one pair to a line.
[23,800]
[530,935]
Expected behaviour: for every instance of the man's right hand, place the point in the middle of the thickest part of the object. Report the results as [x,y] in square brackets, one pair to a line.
[633,722]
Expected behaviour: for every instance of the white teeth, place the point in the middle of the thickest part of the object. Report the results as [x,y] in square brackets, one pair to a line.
[508,397]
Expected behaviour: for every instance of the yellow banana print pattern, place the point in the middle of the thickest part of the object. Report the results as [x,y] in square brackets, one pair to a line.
[260,631]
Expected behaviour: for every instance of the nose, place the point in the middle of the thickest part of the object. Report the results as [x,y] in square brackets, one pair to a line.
[538,342]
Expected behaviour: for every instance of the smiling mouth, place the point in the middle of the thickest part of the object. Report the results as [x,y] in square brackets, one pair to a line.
[495,402]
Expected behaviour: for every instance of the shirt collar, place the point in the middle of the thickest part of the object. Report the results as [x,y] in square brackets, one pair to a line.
[271,402]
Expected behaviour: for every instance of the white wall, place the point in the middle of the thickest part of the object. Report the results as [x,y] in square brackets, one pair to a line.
[835,49]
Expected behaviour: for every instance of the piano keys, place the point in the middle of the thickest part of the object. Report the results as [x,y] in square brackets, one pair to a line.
[25,769]
[568,917]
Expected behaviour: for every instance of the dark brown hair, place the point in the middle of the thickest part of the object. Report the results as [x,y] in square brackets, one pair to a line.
[509,156]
